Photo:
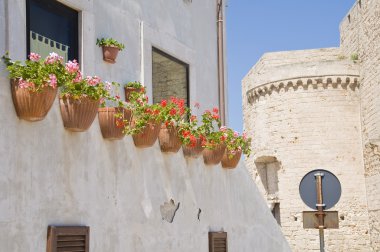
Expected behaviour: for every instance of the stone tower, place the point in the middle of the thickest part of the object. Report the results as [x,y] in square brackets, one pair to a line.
[320,109]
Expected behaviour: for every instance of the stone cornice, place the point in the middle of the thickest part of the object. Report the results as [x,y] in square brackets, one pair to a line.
[315,82]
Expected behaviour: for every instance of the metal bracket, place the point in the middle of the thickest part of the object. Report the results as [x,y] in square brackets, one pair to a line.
[319,174]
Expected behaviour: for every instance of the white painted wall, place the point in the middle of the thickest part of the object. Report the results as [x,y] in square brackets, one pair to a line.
[50,176]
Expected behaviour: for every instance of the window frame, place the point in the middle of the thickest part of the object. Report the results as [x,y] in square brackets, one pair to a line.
[173,58]
[62,9]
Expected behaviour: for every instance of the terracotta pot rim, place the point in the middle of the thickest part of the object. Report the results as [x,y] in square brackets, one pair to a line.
[109,109]
[15,81]
[66,97]
[236,153]
[126,87]
[220,145]
[111,46]
[163,126]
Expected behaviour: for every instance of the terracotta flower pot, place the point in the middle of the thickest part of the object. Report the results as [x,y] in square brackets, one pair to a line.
[78,114]
[128,91]
[231,163]
[148,136]
[169,139]
[109,126]
[193,151]
[32,106]
[214,156]
[110,54]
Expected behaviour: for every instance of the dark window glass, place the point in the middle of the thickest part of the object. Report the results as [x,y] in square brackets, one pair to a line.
[276,213]
[170,77]
[52,27]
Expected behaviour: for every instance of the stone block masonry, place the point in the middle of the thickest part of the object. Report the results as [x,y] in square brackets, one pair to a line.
[321,109]
[361,35]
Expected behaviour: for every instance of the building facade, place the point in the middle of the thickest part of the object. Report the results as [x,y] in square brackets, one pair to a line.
[320,109]
[131,199]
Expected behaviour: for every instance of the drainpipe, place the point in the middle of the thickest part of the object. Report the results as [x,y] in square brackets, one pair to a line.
[221,65]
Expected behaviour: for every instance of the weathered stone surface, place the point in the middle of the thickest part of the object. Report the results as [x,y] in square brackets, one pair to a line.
[168,210]
[320,109]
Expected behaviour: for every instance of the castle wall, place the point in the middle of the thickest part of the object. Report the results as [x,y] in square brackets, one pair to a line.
[361,35]
[302,109]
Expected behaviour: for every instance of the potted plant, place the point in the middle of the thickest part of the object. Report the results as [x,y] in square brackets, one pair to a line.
[110,48]
[80,98]
[34,84]
[145,124]
[133,87]
[172,114]
[191,137]
[214,144]
[235,145]
[113,114]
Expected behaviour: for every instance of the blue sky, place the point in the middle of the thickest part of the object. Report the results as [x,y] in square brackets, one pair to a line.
[255,27]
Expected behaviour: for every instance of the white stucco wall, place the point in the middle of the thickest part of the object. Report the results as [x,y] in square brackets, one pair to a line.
[50,176]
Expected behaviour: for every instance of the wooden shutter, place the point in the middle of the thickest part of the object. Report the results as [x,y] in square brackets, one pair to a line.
[68,239]
[218,242]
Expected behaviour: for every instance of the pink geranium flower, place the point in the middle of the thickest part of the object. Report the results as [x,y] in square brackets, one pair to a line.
[52,58]
[25,84]
[245,136]
[34,57]
[108,85]
[72,66]
[93,80]
[78,77]
[53,80]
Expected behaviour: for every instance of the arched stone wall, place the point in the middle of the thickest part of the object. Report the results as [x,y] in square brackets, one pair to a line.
[309,121]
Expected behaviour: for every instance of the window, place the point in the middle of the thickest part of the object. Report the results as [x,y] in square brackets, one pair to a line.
[51,27]
[268,173]
[267,170]
[218,242]
[68,239]
[170,77]
[276,213]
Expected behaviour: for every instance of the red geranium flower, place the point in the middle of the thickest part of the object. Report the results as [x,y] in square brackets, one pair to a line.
[185,133]
[173,99]
[181,103]
[173,111]
[164,103]
[193,140]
